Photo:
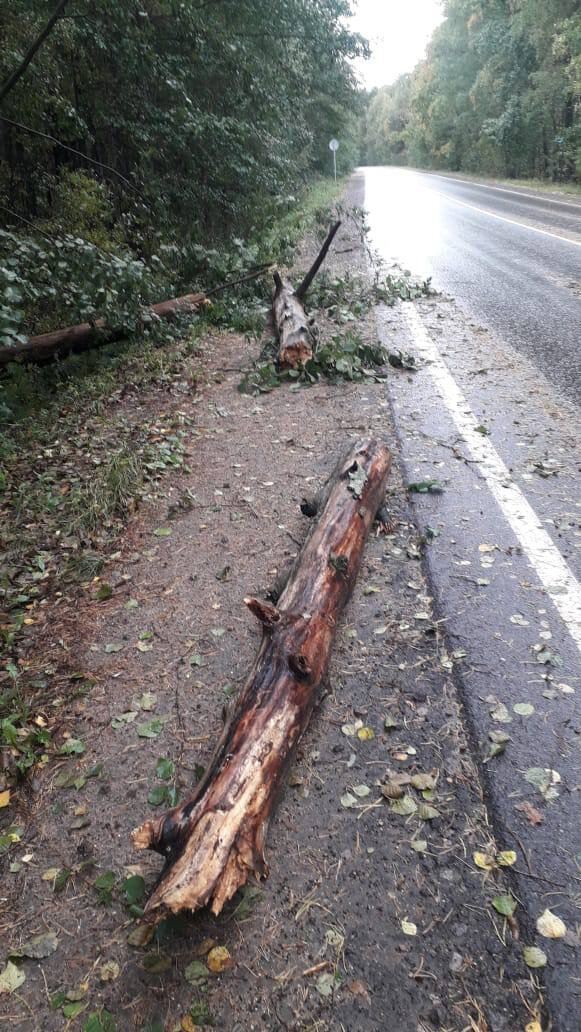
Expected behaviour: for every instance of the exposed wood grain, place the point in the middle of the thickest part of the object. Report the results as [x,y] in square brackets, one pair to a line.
[215,840]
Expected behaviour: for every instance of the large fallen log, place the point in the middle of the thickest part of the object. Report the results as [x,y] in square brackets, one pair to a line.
[294,329]
[47,347]
[215,840]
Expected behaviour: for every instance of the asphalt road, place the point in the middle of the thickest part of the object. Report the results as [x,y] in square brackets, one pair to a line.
[490,416]
[511,257]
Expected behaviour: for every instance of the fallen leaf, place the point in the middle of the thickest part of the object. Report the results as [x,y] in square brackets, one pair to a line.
[361,790]
[218,960]
[38,947]
[113,647]
[505,905]
[11,978]
[325,983]
[531,813]
[350,730]
[423,781]
[100,1021]
[551,926]
[544,779]
[109,971]
[4,798]
[148,701]
[196,973]
[524,709]
[427,812]
[164,768]
[534,957]
[483,861]
[365,734]
[419,845]
[500,713]
[348,800]
[506,858]
[404,806]
[152,729]
[162,532]
[408,927]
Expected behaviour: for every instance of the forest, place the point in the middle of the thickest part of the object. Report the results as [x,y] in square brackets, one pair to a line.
[151,146]
[499,93]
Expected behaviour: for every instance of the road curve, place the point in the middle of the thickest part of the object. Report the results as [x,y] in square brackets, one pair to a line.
[511,258]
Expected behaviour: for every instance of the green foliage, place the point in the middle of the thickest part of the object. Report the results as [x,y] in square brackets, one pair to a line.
[208,128]
[498,93]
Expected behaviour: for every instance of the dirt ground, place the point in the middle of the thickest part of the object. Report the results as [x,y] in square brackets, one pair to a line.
[372,918]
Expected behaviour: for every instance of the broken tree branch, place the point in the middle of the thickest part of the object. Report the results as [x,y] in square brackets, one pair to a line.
[214,841]
[304,286]
[293,327]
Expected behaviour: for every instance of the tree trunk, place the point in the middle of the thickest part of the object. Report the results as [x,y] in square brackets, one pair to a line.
[47,347]
[58,343]
[293,327]
[295,336]
[215,840]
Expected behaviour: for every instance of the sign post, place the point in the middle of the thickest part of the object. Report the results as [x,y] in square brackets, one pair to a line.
[334,146]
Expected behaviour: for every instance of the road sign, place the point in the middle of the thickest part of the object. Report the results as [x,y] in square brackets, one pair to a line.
[334,146]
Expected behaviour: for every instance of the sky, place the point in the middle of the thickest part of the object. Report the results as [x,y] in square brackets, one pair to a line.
[398,31]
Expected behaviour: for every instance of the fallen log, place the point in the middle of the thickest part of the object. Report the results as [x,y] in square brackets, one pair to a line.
[214,840]
[48,347]
[294,329]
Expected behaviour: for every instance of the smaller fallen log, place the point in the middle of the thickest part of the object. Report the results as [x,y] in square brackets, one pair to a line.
[48,347]
[294,329]
[215,840]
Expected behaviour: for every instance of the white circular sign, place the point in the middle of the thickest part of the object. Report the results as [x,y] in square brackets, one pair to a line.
[333,144]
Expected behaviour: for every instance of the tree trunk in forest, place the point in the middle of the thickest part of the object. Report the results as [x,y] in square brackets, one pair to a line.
[296,340]
[215,840]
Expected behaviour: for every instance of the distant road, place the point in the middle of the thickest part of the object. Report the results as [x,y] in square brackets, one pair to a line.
[511,257]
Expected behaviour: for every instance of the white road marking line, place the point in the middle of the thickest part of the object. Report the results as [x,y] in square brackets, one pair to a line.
[504,189]
[553,572]
[512,222]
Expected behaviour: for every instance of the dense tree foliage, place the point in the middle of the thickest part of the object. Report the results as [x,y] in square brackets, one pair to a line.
[205,117]
[499,93]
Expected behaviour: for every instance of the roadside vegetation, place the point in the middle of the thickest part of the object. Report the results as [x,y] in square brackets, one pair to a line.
[498,94]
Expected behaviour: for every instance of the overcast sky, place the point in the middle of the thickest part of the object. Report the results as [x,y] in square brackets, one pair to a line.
[398,31]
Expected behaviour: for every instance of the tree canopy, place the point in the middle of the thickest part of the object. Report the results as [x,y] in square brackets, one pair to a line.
[147,128]
[499,92]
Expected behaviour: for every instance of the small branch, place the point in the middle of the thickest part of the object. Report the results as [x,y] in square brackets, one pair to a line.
[19,72]
[302,289]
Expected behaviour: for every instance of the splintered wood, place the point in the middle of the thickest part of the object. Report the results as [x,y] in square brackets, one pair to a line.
[214,840]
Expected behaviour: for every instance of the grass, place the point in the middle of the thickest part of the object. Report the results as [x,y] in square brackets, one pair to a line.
[533,184]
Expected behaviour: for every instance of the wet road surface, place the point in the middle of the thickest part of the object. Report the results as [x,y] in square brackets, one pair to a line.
[512,258]
[489,416]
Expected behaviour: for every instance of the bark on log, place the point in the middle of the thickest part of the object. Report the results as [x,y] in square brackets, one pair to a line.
[215,840]
[293,327]
[46,347]
[295,337]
